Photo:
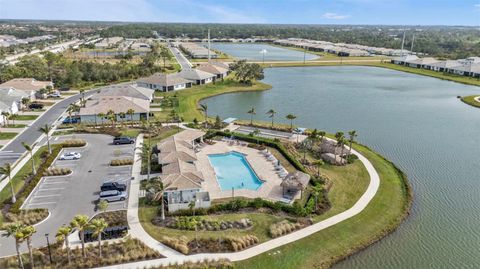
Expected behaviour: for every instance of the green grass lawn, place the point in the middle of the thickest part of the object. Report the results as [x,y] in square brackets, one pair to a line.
[189,98]
[5,136]
[471,101]
[261,222]
[322,249]
[16,126]
[25,117]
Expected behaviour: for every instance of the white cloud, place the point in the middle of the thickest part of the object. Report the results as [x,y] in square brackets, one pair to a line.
[334,16]
[476,7]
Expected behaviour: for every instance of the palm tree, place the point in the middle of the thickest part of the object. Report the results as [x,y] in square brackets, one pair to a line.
[339,137]
[252,113]
[15,230]
[157,188]
[316,191]
[255,134]
[27,233]
[322,135]
[82,91]
[62,235]
[204,109]
[352,135]
[147,152]
[271,114]
[25,103]
[46,130]
[191,206]
[30,150]
[112,117]
[13,117]
[98,225]
[319,164]
[291,117]
[6,116]
[101,116]
[7,170]
[130,112]
[71,108]
[80,222]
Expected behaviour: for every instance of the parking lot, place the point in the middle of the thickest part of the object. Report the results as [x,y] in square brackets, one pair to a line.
[77,193]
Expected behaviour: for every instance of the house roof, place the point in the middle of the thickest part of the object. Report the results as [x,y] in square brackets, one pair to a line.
[475,68]
[427,60]
[178,167]
[168,157]
[119,104]
[10,95]
[163,79]
[447,64]
[210,68]
[189,180]
[26,84]
[220,64]
[189,135]
[127,90]
[406,58]
[296,179]
[194,74]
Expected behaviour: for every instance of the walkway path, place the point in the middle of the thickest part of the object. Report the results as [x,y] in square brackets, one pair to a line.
[173,257]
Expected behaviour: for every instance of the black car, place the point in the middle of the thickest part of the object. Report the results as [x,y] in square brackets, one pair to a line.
[36,106]
[123,140]
[113,186]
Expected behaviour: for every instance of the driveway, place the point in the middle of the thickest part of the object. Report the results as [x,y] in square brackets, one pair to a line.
[77,193]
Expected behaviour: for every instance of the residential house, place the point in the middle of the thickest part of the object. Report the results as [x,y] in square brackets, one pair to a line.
[164,82]
[120,105]
[444,66]
[11,99]
[27,84]
[469,70]
[425,63]
[179,174]
[220,72]
[403,60]
[197,77]
[128,90]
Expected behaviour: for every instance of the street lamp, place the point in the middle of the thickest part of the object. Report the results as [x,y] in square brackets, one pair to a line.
[49,249]
[263,52]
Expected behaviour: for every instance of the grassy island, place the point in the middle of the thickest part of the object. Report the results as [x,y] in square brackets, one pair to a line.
[470,100]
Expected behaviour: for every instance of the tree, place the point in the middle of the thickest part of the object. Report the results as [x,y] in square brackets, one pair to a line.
[82,92]
[339,137]
[62,235]
[112,117]
[7,170]
[218,122]
[25,103]
[157,190]
[246,72]
[30,151]
[80,222]
[46,130]
[204,109]
[6,117]
[191,206]
[252,113]
[27,233]
[352,135]
[101,116]
[165,55]
[15,230]
[322,135]
[271,114]
[319,164]
[291,117]
[255,134]
[13,117]
[98,225]
[130,112]
[316,191]
[102,205]
[70,109]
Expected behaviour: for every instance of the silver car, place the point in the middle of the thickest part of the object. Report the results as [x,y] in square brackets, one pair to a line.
[113,195]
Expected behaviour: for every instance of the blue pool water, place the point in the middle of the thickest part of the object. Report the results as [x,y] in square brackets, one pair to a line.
[233,171]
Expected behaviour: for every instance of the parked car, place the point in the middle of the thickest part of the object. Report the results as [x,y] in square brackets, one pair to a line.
[70,156]
[71,120]
[35,106]
[54,95]
[113,195]
[123,140]
[109,186]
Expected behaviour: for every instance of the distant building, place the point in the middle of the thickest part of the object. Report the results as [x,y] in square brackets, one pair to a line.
[11,100]
[217,70]
[118,104]
[403,60]
[196,51]
[26,84]
[164,82]
[127,90]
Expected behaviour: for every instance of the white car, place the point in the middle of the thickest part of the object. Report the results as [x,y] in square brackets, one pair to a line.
[70,156]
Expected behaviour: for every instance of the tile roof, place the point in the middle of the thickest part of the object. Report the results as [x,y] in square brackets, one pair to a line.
[128,90]
[164,79]
[119,104]
[26,84]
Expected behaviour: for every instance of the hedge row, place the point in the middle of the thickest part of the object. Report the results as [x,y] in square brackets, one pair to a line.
[262,140]
[239,203]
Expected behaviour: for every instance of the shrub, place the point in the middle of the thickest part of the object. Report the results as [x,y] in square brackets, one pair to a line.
[57,171]
[242,242]
[120,162]
[179,244]
[284,227]
[71,143]
[28,217]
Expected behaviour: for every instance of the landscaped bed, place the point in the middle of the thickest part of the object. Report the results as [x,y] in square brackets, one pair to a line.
[7,135]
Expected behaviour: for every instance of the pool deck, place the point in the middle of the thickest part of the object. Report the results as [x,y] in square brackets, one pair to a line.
[265,170]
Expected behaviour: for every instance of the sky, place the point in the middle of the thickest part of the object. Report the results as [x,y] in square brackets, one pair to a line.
[392,12]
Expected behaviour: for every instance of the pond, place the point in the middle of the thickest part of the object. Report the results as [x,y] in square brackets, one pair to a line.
[415,121]
[253,52]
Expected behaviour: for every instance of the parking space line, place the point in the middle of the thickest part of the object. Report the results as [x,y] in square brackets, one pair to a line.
[45,196]
[44,203]
[44,183]
[51,189]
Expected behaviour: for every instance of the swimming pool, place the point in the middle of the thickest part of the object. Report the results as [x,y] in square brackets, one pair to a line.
[233,171]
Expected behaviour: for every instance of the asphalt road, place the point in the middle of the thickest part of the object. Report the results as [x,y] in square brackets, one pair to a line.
[14,150]
[181,59]
[77,193]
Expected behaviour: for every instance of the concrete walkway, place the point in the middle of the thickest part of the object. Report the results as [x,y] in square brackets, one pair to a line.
[173,257]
